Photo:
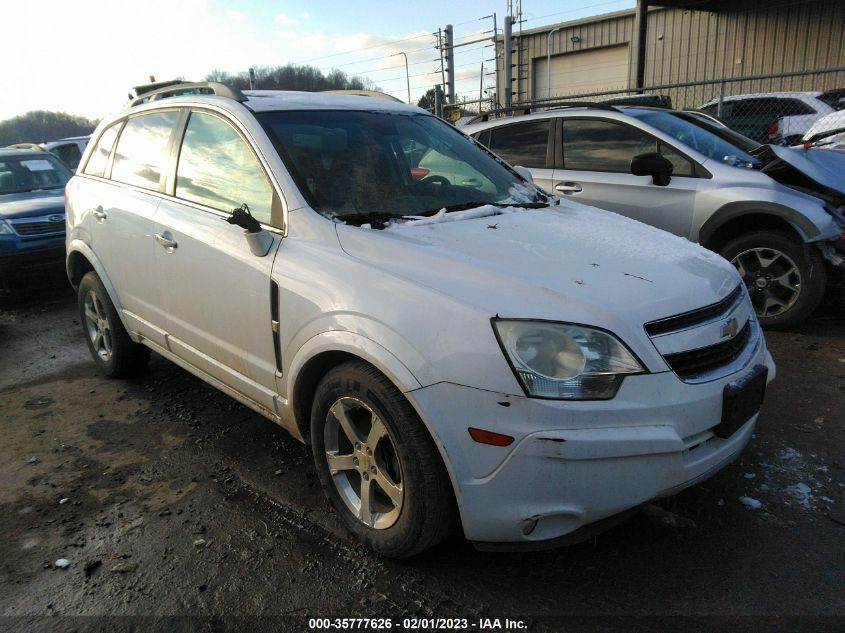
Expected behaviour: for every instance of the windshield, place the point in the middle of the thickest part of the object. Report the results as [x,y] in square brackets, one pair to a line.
[31,173]
[358,166]
[706,138]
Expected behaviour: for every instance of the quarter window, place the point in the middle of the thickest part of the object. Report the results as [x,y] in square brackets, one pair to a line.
[141,153]
[219,170]
[522,144]
[100,156]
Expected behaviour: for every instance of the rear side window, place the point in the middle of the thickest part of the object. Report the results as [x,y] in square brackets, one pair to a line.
[593,145]
[99,157]
[141,153]
[218,169]
[793,107]
[69,153]
[522,144]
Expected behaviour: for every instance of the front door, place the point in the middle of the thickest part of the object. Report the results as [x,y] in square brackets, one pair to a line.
[217,292]
[596,170]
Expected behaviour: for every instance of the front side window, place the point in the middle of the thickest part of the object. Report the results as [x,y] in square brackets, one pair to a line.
[33,172]
[521,144]
[218,169]
[594,145]
[141,154]
[96,165]
[363,165]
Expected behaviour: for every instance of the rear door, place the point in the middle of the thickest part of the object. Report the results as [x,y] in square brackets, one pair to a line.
[118,206]
[596,169]
[216,291]
[526,144]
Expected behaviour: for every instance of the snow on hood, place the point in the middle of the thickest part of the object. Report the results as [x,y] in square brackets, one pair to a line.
[824,167]
[565,262]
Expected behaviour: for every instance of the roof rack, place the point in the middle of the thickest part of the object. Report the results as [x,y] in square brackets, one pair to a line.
[541,107]
[375,94]
[177,88]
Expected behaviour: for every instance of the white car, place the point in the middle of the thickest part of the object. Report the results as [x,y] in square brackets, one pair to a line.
[828,132]
[769,117]
[473,354]
[68,149]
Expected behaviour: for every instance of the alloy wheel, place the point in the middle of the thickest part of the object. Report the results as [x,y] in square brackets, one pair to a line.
[363,463]
[97,325]
[772,278]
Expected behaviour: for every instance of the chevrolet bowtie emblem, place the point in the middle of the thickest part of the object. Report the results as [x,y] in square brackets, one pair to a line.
[730,328]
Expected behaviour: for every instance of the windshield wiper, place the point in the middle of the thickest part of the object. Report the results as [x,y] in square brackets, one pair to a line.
[376,220]
[464,206]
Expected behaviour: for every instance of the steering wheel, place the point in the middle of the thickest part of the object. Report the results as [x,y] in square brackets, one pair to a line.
[435,179]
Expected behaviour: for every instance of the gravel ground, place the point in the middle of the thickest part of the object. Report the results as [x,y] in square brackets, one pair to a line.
[167,498]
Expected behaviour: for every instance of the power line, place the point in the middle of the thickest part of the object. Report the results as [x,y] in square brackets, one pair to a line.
[366,48]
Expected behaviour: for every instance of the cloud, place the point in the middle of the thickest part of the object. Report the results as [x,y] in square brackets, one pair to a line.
[235,15]
[283,20]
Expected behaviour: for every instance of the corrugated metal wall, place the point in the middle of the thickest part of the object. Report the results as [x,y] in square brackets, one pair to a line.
[689,46]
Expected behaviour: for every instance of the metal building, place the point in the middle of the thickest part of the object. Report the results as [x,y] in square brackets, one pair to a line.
[669,42]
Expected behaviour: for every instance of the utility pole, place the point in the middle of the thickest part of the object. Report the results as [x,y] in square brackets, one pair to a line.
[450,62]
[252,78]
[508,61]
[407,77]
[438,101]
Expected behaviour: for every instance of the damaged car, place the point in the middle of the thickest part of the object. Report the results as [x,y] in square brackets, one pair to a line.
[778,214]
[459,349]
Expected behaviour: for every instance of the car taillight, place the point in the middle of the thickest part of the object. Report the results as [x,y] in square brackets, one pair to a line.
[418,173]
[772,129]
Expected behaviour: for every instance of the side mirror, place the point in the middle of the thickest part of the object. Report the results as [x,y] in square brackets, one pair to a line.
[524,172]
[258,239]
[654,165]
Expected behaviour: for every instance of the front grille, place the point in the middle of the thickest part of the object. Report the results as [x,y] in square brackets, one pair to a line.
[38,228]
[707,359]
[694,317]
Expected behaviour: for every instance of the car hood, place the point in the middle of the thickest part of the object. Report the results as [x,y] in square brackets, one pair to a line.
[565,262]
[823,169]
[31,204]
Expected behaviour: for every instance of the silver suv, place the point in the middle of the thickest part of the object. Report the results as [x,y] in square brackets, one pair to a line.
[456,346]
[777,213]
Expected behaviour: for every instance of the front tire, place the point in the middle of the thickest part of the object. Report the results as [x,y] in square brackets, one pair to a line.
[785,277]
[115,354]
[377,464]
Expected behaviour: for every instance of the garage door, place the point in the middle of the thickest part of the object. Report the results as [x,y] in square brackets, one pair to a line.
[587,71]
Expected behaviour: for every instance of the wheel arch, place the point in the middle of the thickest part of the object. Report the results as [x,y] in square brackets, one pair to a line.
[80,261]
[736,218]
[321,354]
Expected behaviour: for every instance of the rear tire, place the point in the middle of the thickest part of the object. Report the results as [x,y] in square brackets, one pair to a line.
[379,449]
[114,353]
[785,277]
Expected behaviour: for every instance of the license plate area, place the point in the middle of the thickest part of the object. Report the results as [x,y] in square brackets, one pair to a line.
[741,399]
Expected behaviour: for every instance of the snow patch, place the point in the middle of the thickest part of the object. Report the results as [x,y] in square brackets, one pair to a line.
[751,503]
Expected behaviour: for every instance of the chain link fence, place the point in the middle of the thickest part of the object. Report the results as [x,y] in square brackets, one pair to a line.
[787,108]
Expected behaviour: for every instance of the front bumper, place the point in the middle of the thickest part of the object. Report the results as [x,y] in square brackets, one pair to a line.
[575,463]
[19,255]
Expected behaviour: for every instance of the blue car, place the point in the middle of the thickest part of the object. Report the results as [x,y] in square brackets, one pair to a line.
[32,212]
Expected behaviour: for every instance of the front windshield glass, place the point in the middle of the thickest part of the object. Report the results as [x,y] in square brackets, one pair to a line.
[31,173]
[356,166]
[706,138]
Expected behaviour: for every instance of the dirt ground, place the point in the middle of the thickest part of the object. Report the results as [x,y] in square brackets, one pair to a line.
[170,499]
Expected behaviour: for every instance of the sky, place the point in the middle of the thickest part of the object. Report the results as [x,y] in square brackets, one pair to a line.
[83,56]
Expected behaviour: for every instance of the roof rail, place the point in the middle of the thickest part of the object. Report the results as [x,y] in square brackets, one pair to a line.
[364,93]
[548,105]
[192,88]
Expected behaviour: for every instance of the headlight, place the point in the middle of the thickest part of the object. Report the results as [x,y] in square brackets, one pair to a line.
[5,228]
[563,361]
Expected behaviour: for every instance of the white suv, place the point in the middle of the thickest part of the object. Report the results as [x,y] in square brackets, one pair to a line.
[455,348]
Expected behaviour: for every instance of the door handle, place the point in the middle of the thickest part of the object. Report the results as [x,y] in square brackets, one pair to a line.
[99,213]
[568,187]
[165,242]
